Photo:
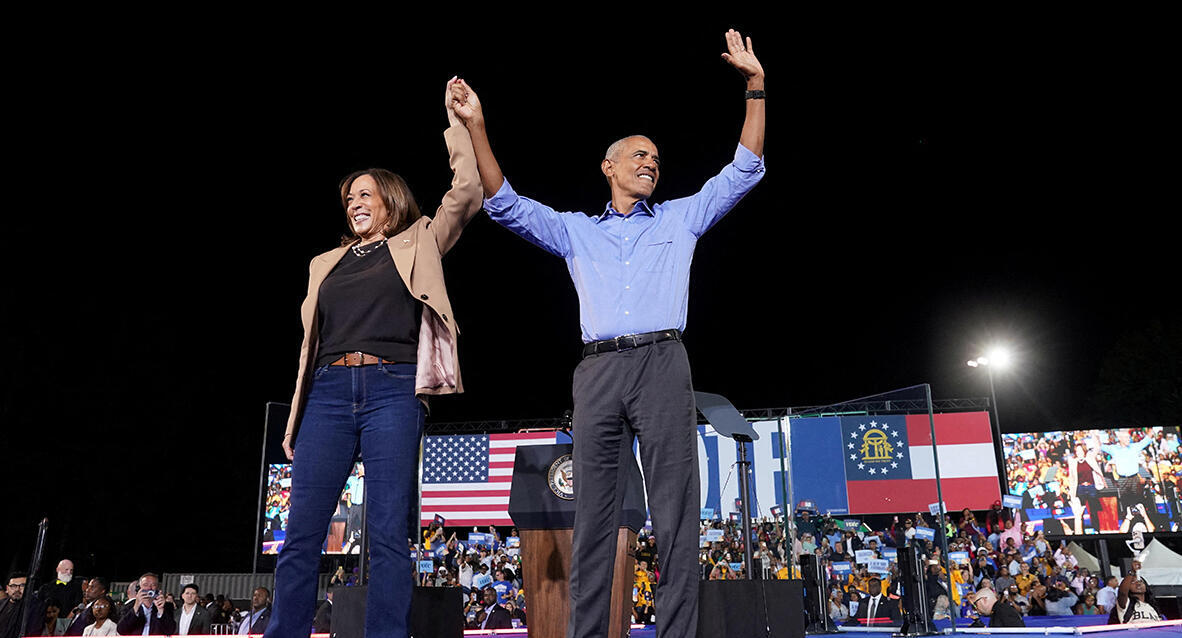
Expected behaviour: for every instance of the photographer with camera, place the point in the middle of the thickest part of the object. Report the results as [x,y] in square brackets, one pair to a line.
[152,614]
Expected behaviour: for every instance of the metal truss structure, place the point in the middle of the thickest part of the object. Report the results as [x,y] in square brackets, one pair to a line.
[893,406]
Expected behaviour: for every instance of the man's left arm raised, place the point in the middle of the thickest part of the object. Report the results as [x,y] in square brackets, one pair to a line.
[723,191]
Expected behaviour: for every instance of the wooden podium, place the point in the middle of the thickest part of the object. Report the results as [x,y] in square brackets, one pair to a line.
[545,522]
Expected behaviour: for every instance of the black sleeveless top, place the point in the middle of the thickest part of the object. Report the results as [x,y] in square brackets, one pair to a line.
[364,306]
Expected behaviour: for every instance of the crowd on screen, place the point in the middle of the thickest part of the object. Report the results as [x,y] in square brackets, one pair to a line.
[1090,481]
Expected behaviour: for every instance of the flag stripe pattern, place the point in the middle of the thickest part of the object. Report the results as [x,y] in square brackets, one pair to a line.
[467,477]
[858,464]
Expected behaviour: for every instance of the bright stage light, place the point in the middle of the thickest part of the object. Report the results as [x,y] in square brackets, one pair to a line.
[973,363]
[1000,357]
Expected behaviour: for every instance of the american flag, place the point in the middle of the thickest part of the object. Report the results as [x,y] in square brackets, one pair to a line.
[466,477]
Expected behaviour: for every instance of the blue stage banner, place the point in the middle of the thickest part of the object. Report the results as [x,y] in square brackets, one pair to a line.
[823,478]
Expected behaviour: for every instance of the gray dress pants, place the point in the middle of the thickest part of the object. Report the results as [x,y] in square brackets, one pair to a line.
[645,392]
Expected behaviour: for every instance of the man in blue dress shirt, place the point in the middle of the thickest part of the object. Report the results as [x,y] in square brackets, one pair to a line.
[630,265]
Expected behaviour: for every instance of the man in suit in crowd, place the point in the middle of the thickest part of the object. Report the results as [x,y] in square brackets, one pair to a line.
[495,616]
[95,589]
[255,622]
[12,607]
[149,610]
[192,618]
[875,608]
[322,623]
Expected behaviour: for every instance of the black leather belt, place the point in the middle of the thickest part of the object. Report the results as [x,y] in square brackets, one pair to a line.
[628,342]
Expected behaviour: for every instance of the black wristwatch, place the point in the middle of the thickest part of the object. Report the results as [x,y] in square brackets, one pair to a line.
[757,94]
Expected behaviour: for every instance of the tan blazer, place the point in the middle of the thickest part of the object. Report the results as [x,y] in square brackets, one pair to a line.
[417,253]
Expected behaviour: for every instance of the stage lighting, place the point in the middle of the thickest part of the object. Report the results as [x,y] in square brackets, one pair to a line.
[1000,357]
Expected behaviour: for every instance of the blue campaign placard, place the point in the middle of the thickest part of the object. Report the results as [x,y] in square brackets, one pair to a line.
[890,553]
[925,533]
[426,566]
[480,581]
[842,568]
[476,538]
[707,513]
[714,535]
[958,557]
[513,541]
[1011,501]
[736,567]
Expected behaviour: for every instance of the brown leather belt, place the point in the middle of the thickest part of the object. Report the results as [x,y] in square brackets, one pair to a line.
[355,359]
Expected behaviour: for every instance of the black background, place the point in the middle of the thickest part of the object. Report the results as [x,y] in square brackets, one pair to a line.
[935,184]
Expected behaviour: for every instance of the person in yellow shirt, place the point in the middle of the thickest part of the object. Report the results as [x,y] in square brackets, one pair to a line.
[959,577]
[1025,580]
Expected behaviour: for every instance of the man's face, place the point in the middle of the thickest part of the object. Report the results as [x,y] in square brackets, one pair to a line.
[490,597]
[65,570]
[149,583]
[634,168]
[1123,436]
[189,596]
[874,588]
[16,587]
[258,599]
[94,590]
[983,601]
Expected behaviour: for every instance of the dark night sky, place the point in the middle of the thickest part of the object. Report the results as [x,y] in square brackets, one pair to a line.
[930,190]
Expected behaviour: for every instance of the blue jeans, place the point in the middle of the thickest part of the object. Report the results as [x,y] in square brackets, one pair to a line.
[372,407]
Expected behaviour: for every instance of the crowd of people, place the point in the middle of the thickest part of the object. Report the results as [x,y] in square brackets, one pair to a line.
[1000,567]
[993,560]
[71,606]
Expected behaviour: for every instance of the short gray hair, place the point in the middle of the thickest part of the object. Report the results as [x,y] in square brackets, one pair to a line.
[614,149]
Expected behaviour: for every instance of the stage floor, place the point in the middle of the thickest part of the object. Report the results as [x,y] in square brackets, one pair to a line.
[1037,626]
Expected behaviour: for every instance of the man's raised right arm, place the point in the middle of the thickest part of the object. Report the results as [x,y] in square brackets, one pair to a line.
[533,221]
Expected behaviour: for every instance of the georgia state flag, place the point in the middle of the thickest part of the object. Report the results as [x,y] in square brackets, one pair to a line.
[875,448]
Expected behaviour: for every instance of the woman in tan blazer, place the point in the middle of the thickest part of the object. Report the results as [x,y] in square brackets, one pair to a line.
[379,338]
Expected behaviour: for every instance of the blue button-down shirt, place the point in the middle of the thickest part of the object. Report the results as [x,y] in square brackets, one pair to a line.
[1127,459]
[631,271]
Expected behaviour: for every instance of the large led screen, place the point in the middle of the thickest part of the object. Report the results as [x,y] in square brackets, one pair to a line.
[344,528]
[1104,481]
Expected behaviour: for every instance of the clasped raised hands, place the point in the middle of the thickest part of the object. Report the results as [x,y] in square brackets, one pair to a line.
[462,103]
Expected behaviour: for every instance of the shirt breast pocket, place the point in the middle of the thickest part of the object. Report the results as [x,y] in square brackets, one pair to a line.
[658,256]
